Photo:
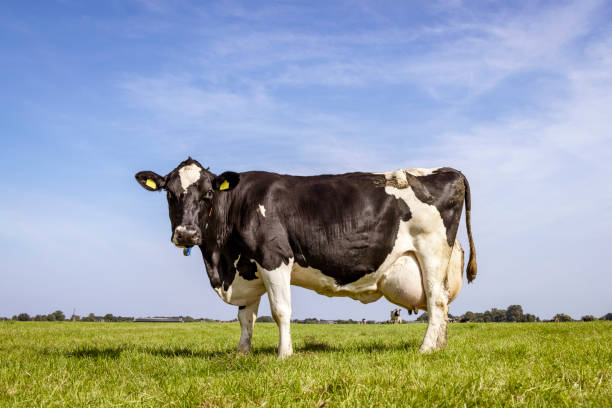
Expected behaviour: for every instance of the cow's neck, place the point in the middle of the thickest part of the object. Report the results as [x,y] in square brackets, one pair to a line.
[215,238]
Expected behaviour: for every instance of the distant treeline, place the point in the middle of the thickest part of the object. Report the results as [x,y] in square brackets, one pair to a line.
[59,316]
[514,313]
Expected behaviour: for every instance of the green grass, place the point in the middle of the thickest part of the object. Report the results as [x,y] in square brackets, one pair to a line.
[194,365]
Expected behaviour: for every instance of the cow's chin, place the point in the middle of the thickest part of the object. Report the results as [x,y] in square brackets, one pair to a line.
[185,244]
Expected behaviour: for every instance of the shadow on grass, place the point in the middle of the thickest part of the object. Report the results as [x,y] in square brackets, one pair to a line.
[313,345]
[96,352]
[170,352]
[309,345]
[85,352]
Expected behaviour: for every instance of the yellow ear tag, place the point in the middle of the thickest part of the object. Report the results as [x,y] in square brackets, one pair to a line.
[224,185]
[151,184]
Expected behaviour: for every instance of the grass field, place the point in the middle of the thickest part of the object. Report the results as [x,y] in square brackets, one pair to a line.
[194,365]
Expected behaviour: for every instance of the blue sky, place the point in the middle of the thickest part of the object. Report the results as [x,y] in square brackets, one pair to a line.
[519,97]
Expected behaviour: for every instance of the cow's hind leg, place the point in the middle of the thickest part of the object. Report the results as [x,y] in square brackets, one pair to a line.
[246,316]
[278,287]
[434,256]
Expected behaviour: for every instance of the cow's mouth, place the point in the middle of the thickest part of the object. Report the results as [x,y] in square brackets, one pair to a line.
[186,236]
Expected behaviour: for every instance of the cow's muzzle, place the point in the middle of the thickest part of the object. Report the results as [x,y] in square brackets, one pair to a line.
[186,236]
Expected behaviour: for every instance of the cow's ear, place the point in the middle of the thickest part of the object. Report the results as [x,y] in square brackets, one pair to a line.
[150,181]
[226,181]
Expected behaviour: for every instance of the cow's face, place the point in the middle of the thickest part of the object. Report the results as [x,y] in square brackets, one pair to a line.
[190,190]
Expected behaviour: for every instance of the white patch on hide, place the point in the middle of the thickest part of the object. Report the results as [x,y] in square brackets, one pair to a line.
[262,210]
[426,230]
[241,291]
[189,174]
[422,172]
[399,176]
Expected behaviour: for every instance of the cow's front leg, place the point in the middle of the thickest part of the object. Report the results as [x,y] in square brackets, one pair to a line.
[278,287]
[246,316]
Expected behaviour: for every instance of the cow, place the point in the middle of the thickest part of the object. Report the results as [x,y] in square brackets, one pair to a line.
[395,316]
[361,235]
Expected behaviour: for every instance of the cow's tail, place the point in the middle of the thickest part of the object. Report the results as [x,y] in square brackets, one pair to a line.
[471,266]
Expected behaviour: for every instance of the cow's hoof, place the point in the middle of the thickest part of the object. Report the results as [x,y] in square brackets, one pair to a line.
[284,354]
[427,349]
[243,350]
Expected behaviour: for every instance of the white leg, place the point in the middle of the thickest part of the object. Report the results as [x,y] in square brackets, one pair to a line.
[434,257]
[278,286]
[246,317]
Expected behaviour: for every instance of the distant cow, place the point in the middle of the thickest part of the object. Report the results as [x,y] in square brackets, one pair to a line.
[395,316]
[362,235]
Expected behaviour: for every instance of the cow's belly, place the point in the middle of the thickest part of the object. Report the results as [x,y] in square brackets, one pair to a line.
[364,289]
[401,282]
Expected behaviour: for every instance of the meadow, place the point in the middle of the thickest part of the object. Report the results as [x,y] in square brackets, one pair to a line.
[63,364]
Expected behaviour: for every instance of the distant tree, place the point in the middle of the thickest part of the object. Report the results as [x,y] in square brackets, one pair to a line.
[59,315]
[23,317]
[514,313]
[467,317]
[40,318]
[607,316]
[498,315]
[423,317]
[588,318]
[527,317]
[265,319]
[562,317]
[50,317]
[487,316]
[188,319]
[90,318]
[109,317]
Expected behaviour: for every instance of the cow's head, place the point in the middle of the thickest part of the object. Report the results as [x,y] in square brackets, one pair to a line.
[191,190]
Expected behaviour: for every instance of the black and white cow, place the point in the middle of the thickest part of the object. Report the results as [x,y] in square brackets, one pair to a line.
[395,316]
[362,235]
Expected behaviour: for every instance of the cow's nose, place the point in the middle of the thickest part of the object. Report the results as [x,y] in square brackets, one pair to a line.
[186,235]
